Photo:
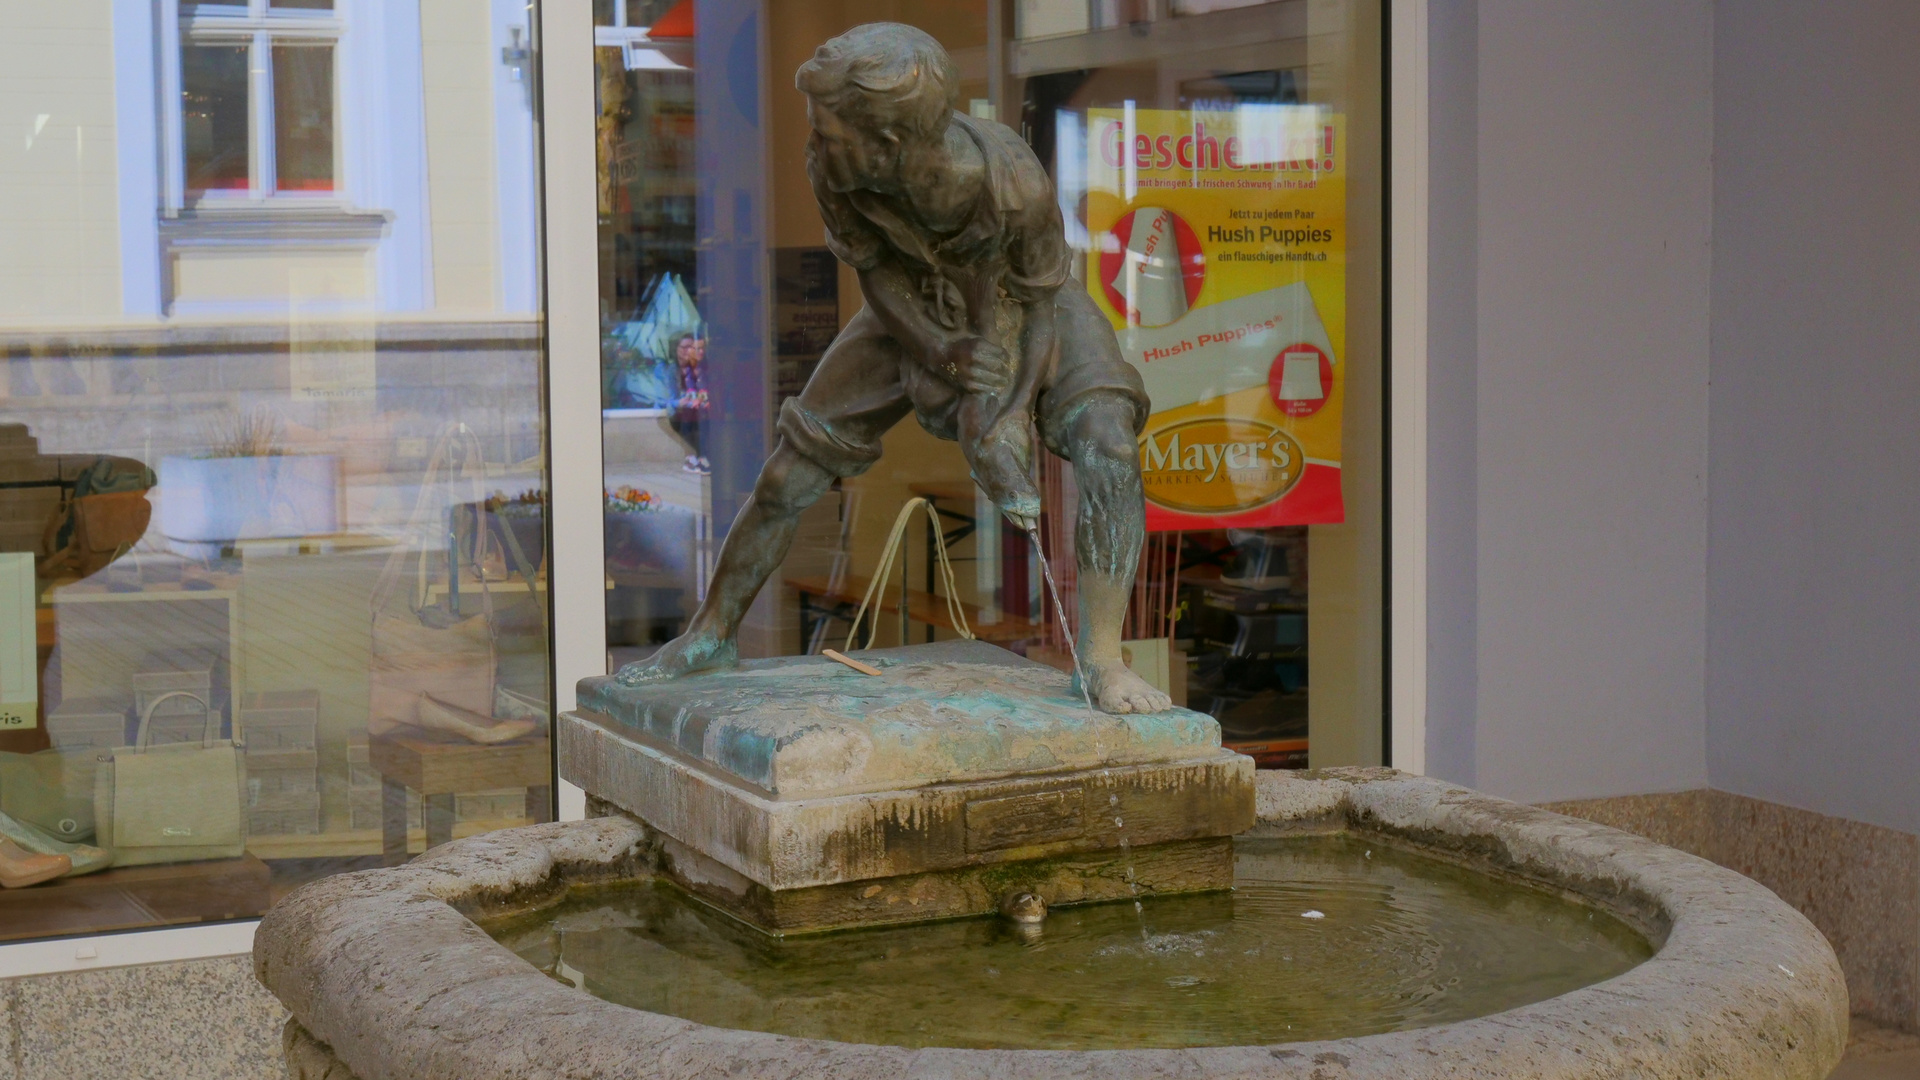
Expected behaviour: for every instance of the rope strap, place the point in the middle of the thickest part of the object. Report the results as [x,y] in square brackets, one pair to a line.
[954,610]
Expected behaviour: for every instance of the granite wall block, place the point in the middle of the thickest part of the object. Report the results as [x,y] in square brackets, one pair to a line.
[1859,883]
[9,1034]
[194,1020]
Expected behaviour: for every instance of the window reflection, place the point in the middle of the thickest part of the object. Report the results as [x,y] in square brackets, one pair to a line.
[272,481]
[213,117]
[303,117]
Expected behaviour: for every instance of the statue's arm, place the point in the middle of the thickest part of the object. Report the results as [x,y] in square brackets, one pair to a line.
[1039,265]
[970,362]
[1036,354]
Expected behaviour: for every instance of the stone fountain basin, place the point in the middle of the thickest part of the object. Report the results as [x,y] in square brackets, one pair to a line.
[388,979]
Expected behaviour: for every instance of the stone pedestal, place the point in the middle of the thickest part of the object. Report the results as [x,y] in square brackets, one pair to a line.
[803,795]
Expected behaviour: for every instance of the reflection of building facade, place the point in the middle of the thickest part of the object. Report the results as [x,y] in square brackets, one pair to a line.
[232,160]
[310,200]
[271,319]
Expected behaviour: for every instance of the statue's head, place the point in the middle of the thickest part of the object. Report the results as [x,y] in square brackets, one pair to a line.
[872,91]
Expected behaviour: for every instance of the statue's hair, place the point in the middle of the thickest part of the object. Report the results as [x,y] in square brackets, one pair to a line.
[892,75]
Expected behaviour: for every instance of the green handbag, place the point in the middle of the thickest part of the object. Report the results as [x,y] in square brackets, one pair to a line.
[51,790]
[172,803]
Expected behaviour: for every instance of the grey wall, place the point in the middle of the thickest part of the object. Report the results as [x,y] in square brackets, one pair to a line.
[1628,199]
[1594,181]
[1453,288]
[1814,580]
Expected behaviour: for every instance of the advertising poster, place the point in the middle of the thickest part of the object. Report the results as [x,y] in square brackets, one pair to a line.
[1219,252]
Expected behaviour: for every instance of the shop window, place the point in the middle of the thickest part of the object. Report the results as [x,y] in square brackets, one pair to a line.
[1218,172]
[273,570]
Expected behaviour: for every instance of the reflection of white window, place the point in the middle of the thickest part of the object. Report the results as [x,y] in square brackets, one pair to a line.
[289,150]
[256,103]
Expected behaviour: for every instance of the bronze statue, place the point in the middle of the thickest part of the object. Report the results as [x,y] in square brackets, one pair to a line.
[971,322]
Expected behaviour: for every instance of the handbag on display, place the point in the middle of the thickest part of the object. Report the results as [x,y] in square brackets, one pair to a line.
[176,802]
[105,516]
[426,647]
[51,790]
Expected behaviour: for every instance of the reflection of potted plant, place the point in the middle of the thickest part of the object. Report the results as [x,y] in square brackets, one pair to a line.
[524,515]
[647,538]
[246,486]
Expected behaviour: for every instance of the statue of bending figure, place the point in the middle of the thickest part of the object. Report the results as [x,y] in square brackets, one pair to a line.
[971,322]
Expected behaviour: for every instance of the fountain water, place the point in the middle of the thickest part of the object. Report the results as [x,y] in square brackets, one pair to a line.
[1440,907]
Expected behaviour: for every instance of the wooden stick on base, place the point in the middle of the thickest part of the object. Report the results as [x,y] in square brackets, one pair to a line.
[864,669]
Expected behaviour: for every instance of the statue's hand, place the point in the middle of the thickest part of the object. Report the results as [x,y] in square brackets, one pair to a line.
[978,366]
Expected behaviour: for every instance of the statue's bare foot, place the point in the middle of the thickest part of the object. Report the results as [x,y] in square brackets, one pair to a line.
[1000,467]
[1115,689]
[691,652]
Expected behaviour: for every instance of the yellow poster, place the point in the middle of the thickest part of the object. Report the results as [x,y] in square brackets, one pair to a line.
[1219,253]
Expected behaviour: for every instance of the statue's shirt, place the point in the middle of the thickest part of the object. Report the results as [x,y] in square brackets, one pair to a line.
[1011,238]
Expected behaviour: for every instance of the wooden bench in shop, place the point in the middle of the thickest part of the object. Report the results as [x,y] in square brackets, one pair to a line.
[819,599]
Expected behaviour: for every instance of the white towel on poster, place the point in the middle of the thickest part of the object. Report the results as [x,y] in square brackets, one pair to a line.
[1300,377]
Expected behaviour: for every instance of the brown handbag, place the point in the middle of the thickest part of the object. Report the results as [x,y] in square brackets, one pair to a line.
[100,528]
[422,645]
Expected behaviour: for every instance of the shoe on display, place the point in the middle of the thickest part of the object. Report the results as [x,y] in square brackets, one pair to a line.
[20,868]
[692,464]
[706,467]
[85,858]
[437,715]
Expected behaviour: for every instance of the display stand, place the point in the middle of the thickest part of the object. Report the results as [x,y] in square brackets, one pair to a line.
[438,766]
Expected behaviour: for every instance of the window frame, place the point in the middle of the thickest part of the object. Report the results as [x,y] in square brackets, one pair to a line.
[260,26]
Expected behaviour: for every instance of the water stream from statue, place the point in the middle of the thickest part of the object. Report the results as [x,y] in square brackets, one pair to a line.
[1073,650]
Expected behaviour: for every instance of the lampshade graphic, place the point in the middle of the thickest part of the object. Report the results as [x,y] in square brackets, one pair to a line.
[1153,267]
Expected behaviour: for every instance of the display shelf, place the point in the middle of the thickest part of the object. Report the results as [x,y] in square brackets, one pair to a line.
[471,585]
[137,897]
[89,591]
[439,766]
[105,634]
[355,843]
[325,544]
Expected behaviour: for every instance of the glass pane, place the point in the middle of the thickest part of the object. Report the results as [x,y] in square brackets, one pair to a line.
[304,5]
[213,116]
[1236,258]
[272,500]
[1225,205]
[654,349]
[303,117]
[605,13]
